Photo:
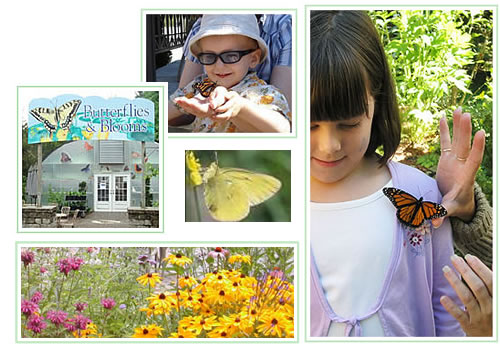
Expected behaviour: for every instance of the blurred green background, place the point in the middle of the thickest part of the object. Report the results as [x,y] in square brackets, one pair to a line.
[271,162]
[440,60]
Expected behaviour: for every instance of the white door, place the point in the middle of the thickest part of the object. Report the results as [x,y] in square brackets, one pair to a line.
[112,192]
[121,192]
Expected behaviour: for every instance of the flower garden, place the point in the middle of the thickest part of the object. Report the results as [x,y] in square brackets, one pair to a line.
[157,292]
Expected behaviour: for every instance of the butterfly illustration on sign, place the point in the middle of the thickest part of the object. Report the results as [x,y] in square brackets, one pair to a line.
[86,169]
[88,147]
[411,211]
[230,192]
[52,118]
[65,158]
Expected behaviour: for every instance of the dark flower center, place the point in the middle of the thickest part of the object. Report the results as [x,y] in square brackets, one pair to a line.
[178,256]
[222,293]
[149,275]
[162,296]
[274,322]
[145,331]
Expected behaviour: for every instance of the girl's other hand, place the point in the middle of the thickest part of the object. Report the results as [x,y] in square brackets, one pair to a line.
[198,106]
[458,166]
[476,320]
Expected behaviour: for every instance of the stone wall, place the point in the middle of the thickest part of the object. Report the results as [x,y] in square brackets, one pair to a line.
[148,217]
[39,217]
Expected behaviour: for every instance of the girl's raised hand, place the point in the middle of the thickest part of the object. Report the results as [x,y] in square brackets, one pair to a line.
[458,166]
[198,105]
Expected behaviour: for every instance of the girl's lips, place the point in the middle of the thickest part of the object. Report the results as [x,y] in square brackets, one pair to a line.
[328,164]
[223,75]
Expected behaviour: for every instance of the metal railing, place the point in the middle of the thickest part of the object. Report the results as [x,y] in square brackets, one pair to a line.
[165,32]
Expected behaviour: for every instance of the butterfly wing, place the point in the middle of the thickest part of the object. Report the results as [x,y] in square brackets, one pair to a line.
[432,210]
[205,87]
[65,157]
[230,192]
[408,207]
[88,147]
[66,112]
[47,116]
[86,168]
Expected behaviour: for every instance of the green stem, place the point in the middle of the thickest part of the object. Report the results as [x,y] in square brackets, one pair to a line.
[197,203]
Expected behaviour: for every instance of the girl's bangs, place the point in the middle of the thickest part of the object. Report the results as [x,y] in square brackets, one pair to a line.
[339,85]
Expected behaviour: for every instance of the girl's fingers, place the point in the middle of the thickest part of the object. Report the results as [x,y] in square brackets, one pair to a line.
[463,292]
[456,125]
[475,156]
[462,137]
[482,271]
[460,315]
[444,135]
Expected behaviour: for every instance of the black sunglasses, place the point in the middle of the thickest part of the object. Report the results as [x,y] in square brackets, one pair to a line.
[226,57]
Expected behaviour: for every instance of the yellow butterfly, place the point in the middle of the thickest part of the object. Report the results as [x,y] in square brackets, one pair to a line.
[230,192]
[52,117]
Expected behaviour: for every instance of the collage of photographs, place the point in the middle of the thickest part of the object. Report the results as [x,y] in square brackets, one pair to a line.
[311,174]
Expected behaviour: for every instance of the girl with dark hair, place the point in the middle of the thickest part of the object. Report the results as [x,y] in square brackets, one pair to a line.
[371,273]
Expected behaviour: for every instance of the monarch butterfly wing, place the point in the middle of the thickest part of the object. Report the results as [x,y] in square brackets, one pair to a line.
[205,87]
[409,209]
[67,112]
[47,116]
[432,210]
[224,199]
[257,187]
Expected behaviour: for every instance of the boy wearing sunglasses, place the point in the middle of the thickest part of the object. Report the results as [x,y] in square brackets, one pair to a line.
[230,97]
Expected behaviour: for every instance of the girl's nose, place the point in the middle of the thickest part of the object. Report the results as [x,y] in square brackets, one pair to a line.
[330,142]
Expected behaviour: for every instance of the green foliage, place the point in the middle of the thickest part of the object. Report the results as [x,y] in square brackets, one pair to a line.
[154,97]
[440,60]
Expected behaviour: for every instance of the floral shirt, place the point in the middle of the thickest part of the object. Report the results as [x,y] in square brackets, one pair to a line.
[251,88]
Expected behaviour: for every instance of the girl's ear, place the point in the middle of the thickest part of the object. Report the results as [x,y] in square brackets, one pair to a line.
[255,58]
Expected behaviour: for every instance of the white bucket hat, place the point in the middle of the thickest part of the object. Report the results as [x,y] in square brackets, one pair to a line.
[228,24]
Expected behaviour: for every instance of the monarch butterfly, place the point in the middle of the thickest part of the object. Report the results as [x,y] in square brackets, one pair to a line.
[205,87]
[412,211]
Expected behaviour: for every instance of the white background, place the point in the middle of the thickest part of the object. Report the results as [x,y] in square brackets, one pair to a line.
[98,43]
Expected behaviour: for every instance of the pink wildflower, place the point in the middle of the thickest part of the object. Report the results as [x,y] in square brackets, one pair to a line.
[57,317]
[108,303]
[27,257]
[218,253]
[37,297]
[36,323]
[28,307]
[80,306]
[68,264]
[80,321]
[43,270]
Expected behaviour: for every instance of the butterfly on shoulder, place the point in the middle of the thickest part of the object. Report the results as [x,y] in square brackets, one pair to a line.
[205,87]
[230,192]
[411,211]
[54,117]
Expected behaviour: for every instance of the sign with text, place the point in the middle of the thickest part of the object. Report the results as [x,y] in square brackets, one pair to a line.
[71,117]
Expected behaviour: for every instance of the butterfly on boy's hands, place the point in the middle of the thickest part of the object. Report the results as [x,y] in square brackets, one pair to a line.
[52,117]
[205,87]
[411,211]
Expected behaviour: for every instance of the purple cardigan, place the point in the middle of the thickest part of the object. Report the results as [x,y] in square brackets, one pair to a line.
[408,305]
